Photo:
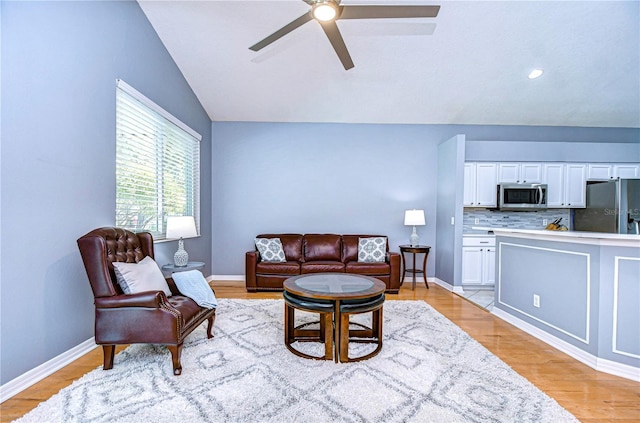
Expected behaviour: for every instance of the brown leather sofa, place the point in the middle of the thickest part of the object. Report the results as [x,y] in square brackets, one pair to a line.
[146,317]
[318,253]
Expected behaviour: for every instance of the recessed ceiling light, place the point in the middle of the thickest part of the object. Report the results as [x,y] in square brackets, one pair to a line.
[536,73]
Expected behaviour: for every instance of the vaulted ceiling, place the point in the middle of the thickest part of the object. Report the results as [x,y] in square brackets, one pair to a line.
[468,65]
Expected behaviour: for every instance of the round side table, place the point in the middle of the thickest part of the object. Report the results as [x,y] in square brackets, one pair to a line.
[417,249]
[192,265]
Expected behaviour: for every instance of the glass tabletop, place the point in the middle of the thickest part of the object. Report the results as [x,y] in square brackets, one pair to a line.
[335,284]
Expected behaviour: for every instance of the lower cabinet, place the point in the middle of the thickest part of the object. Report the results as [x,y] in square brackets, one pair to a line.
[478,260]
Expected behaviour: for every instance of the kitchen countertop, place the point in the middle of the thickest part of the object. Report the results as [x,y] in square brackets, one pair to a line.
[598,238]
[479,233]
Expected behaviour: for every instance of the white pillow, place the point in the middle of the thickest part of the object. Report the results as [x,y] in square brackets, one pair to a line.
[372,250]
[270,250]
[193,285]
[140,277]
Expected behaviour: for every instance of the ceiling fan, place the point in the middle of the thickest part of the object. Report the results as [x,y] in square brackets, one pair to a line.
[327,12]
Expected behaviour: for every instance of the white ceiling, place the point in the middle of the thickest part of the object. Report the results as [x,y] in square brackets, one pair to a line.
[469,65]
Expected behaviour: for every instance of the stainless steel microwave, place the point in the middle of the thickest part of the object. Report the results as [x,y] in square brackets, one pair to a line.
[522,196]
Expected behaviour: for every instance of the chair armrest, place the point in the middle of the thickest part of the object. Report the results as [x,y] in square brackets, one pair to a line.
[149,299]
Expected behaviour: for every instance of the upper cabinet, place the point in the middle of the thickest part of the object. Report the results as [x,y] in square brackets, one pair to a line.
[606,171]
[480,185]
[519,173]
[566,184]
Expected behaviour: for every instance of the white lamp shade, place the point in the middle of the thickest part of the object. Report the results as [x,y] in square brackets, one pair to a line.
[181,227]
[414,218]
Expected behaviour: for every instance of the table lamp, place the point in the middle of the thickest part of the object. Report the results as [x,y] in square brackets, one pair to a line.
[181,227]
[414,218]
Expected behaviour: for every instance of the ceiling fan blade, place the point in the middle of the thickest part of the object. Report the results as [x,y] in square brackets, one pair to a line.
[374,12]
[333,33]
[282,32]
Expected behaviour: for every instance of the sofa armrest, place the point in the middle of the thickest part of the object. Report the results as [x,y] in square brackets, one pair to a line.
[251,260]
[393,259]
[149,299]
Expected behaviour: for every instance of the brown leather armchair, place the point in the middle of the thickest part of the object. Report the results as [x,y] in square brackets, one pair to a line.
[145,317]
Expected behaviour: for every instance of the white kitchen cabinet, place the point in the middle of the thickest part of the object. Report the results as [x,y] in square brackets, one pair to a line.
[508,173]
[478,260]
[480,184]
[531,173]
[609,171]
[599,172]
[553,176]
[519,173]
[566,184]
[575,185]
[626,170]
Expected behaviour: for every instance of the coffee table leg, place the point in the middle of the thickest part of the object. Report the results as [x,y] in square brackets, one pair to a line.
[289,319]
[336,326]
[344,338]
[327,334]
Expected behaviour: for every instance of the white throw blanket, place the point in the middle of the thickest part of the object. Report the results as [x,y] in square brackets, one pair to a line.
[193,285]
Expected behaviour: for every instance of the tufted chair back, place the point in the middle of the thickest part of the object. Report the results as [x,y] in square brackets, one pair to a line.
[101,247]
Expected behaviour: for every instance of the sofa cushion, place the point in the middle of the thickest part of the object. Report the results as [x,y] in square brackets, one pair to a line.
[372,250]
[371,269]
[291,244]
[270,250]
[322,247]
[322,266]
[287,268]
[350,246]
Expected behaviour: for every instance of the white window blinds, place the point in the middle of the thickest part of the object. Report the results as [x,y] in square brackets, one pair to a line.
[157,165]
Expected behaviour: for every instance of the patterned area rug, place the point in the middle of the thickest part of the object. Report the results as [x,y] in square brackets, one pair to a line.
[429,370]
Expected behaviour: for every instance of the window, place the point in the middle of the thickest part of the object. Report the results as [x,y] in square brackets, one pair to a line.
[157,165]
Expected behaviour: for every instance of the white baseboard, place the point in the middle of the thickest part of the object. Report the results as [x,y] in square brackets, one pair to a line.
[240,279]
[231,278]
[35,375]
[600,364]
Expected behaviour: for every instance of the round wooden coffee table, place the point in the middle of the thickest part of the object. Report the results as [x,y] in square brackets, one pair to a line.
[335,297]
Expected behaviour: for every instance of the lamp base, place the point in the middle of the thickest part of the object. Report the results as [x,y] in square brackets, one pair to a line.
[181,257]
[413,239]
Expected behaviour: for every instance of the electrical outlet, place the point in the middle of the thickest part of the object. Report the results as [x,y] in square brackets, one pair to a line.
[453,220]
[536,300]
[476,221]
[545,222]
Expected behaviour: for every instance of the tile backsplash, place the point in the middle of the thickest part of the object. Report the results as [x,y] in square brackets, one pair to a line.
[512,219]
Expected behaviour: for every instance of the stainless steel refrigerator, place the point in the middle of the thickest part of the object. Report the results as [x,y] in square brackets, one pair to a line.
[612,207]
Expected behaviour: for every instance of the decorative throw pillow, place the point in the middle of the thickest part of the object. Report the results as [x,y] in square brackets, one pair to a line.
[193,285]
[140,277]
[271,250]
[372,250]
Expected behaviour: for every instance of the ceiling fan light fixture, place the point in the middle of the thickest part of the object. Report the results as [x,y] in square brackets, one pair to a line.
[536,73]
[324,11]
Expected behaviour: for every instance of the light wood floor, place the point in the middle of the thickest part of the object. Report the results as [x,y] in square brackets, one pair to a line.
[590,395]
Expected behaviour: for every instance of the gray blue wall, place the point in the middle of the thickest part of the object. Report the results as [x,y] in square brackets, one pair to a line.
[296,177]
[449,206]
[60,61]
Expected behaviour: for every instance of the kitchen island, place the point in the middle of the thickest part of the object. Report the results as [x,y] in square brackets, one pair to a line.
[577,291]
